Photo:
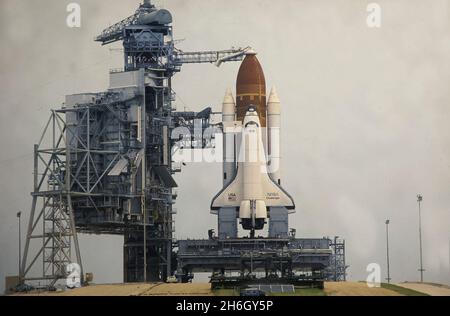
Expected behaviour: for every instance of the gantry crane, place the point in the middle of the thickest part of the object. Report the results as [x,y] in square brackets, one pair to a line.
[133,27]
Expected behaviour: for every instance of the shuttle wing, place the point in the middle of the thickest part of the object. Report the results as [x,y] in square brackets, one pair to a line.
[271,193]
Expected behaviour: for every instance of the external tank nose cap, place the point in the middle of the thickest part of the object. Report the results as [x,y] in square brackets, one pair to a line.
[251,51]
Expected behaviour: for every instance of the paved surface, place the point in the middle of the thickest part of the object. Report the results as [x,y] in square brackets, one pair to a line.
[428,288]
[355,289]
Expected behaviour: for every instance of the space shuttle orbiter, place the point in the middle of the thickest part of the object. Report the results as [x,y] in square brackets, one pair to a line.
[251,165]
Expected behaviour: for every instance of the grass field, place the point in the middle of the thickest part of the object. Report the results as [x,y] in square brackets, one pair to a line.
[402,290]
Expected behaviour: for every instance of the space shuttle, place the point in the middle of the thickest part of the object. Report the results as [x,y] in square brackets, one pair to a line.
[251,151]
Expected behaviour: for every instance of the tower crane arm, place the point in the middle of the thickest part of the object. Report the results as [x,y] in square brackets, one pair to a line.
[114,33]
[213,57]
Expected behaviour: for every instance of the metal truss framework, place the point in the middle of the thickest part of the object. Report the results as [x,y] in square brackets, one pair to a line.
[52,218]
[76,156]
[302,260]
[337,268]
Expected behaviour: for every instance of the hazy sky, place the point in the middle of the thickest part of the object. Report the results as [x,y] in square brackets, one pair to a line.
[365,116]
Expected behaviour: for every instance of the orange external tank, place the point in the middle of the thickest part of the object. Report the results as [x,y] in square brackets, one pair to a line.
[251,89]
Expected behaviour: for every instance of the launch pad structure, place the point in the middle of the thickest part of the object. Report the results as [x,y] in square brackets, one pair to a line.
[103,165]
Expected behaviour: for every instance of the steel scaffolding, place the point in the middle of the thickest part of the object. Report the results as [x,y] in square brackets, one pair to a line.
[51,225]
[337,269]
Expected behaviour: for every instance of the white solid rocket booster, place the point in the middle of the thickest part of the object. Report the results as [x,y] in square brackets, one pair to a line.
[228,119]
[274,128]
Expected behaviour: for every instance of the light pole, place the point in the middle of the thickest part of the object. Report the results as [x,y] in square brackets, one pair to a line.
[19,214]
[419,200]
[387,251]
